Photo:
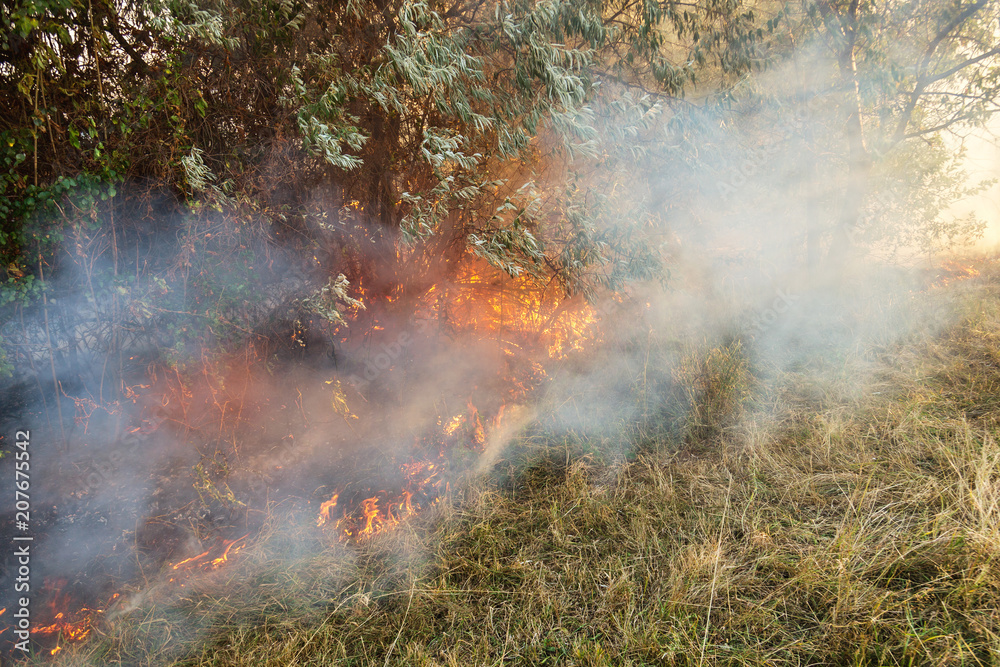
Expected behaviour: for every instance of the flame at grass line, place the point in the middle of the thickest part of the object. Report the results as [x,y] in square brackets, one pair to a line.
[516,312]
[952,271]
[228,546]
[522,317]
[69,626]
[383,510]
[78,625]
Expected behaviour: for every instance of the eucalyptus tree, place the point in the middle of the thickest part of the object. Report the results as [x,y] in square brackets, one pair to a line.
[393,141]
[456,126]
[902,73]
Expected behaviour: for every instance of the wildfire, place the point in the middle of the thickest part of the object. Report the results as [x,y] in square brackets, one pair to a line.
[526,320]
[227,546]
[325,509]
[517,310]
[453,424]
[69,627]
[383,510]
[77,626]
[376,512]
[952,271]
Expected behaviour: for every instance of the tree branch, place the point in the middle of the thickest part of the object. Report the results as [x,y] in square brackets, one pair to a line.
[923,80]
[945,125]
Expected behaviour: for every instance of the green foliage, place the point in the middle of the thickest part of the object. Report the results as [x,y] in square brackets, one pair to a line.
[324,126]
[527,138]
[186,21]
[6,368]
[912,190]
[420,105]
[201,180]
[29,226]
[889,97]
[325,302]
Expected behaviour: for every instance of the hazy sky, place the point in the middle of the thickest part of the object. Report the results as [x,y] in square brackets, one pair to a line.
[983,163]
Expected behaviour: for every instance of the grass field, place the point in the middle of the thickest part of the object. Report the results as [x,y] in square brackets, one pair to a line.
[841,514]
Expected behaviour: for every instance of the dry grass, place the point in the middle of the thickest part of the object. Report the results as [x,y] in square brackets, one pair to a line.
[828,524]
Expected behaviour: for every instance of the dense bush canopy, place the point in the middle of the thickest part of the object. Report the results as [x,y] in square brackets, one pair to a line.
[172,161]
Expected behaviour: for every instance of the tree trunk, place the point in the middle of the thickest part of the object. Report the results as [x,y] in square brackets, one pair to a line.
[843,247]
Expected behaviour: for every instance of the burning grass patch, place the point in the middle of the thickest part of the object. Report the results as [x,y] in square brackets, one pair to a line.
[862,527]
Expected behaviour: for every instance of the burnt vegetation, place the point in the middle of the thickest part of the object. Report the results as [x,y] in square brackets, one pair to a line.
[393,289]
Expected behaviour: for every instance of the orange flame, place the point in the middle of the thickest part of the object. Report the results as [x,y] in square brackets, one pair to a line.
[191,560]
[218,562]
[325,509]
[517,310]
[453,425]
[382,511]
[70,630]
[369,507]
[230,547]
[952,271]
[67,627]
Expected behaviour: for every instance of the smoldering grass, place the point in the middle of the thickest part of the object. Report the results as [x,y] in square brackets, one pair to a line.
[854,525]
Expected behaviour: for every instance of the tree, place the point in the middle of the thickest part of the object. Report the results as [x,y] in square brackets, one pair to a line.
[905,71]
[402,144]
